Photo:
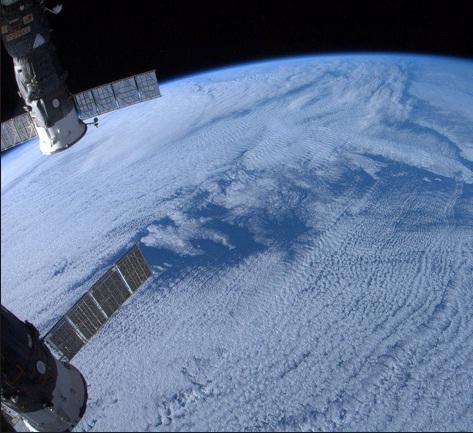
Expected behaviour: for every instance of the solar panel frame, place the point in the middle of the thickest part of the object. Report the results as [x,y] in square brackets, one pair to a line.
[10,136]
[126,92]
[24,126]
[134,268]
[64,337]
[17,130]
[6,139]
[147,85]
[85,104]
[104,98]
[85,318]
[110,292]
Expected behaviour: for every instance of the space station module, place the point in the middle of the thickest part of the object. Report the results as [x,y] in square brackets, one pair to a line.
[40,77]
[48,394]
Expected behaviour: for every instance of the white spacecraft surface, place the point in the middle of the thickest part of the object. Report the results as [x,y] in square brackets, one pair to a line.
[39,74]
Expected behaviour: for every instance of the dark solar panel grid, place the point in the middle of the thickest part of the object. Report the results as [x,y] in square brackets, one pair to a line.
[86,316]
[24,126]
[85,104]
[104,99]
[64,337]
[105,297]
[134,268]
[126,92]
[147,85]
[10,136]
[110,292]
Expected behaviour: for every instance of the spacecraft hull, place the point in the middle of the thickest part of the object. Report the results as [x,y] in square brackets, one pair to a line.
[47,394]
[67,406]
[64,133]
[40,77]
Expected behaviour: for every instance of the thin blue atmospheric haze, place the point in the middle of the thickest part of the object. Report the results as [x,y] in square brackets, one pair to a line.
[309,222]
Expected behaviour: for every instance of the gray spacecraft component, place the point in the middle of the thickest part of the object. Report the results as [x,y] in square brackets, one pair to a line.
[48,394]
[40,77]
[118,94]
[46,391]
[101,301]
[17,130]
[89,103]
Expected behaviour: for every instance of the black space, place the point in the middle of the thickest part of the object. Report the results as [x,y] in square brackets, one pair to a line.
[100,41]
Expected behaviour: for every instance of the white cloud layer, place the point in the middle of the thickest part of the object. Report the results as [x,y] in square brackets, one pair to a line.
[310,224]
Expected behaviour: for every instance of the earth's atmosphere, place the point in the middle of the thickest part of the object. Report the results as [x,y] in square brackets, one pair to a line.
[309,222]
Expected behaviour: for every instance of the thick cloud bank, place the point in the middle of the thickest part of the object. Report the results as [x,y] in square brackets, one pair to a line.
[310,227]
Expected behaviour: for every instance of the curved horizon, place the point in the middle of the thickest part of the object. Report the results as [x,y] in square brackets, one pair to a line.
[327,55]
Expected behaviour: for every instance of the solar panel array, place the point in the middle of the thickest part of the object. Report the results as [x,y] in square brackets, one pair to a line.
[65,339]
[104,99]
[90,103]
[118,94]
[133,268]
[147,85]
[17,130]
[110,292]
[126,92]
[93,310]
[85,100]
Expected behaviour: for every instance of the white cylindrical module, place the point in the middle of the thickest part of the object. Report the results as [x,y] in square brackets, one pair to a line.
[39,74]
[64,133]
[46,393]
[67,406]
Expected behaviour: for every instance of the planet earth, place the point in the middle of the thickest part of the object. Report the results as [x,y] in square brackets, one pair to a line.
[309,225]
